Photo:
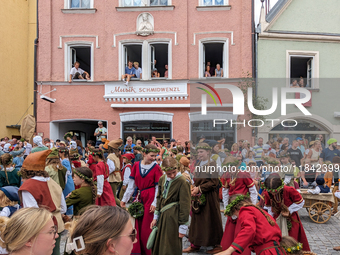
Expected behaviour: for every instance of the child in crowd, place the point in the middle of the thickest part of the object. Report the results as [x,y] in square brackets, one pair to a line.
[286,171]
[126,171]
[55,169]
[137,150]
[9,199]
[297,174]
[86,194]
[9,174]
[321,188]
[104,191]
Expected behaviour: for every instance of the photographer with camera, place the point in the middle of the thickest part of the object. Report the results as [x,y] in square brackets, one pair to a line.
[99,133]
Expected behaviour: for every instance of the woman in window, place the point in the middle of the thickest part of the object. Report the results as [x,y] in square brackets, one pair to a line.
[155,73]
[218,71]
[207,71]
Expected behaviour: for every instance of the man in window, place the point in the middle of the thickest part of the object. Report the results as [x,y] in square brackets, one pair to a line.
[78,73]
[130,72]
[100,132]
[138,71]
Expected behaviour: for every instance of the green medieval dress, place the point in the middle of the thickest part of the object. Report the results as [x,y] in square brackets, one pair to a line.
[167,240]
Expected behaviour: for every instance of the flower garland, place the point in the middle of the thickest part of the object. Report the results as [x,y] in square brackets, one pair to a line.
[200,198]
[136,209]
[208,148]
[138,148]
[150,150]
[67,134]
[272,190]
[294,249]
[169,168]
[271,161]
[234,163]
[82,176]
[174,150]
[230,206]
[128,148]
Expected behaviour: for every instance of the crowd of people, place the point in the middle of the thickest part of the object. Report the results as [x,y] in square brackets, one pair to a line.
[49,186]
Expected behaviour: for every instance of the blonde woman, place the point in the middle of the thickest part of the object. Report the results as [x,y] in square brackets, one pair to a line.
[92,228]
[314,152]
[234,149]
[29,231]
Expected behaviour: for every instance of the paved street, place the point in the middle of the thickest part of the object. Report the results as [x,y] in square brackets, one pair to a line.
[322,237]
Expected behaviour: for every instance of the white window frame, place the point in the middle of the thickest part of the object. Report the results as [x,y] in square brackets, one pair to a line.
[67,5]
[144,3]
[315,55]
[68,57]
[146,56]
[201,3]
[225,64]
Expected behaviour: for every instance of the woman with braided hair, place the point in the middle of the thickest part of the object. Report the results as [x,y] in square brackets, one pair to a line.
[285,200]
[86,194]
[235,181]
[144,175]
[8,174]
[258,230]
[206,224]
[105,194]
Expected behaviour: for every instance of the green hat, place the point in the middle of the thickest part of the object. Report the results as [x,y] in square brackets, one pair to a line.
[54,153]
[332,140]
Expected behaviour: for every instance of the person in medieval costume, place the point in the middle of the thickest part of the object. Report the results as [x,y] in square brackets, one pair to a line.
[258,230]
[55,169]
[235,182]
[145,176]
[39,190]
[126,172]
[286,201]
[206,224]
[113,161]
[69,184]
[105,195]
[172,210]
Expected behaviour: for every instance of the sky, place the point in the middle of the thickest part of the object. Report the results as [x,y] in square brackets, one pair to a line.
[258,9]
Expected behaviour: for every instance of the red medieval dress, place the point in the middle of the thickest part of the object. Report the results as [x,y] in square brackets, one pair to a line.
[240,186]
[107,197]
[145,182]
[92,163]
[289,197]
[256,233]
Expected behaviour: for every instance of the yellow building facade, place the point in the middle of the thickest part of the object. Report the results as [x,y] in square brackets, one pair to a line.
[18,30]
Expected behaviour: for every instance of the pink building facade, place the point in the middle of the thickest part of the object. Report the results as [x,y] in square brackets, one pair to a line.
[104,35]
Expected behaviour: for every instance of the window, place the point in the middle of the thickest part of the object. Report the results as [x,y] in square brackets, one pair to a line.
[303,69]
[213,2]
[82,53]
[153,57]
[80,3]
[133,53]
[213,59]
[130,3]
[159,60]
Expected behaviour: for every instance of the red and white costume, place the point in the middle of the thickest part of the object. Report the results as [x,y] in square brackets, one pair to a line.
[294,201]
[145,178]
[256,233]
[101,175]
[243,184]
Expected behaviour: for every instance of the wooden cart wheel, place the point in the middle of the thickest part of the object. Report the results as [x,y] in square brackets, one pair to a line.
[320,212]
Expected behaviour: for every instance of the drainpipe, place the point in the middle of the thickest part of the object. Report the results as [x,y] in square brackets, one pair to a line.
[36,40]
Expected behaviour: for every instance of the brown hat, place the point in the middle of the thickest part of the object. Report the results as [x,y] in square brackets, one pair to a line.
[115,143]
[336,160]
[184,161]
[36,161]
